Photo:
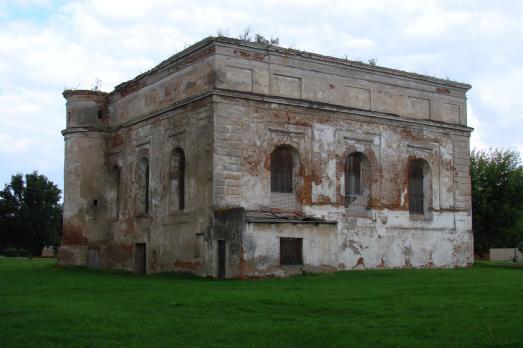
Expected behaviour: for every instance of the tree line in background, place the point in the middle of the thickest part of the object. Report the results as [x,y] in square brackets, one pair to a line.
[497,199]
[30,215]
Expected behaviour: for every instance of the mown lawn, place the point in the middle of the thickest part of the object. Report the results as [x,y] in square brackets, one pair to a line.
[43,305]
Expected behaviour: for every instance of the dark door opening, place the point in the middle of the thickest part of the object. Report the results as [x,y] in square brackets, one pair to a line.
[221,259]
[93,257]
[140,260]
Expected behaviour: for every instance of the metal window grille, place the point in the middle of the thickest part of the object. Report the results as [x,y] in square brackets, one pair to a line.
[281,170]
[291,251]
[284,200]
[416,189]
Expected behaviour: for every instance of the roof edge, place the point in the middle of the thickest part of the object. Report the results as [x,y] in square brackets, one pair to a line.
[298,53]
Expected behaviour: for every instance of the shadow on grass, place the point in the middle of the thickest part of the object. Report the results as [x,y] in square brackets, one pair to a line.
[127,274]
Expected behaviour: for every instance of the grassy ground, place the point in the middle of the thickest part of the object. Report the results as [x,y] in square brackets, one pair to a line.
[42,305]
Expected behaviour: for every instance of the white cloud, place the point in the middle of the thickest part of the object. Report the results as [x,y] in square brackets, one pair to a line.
[501,90]
[417,62]
[12,145]
[436,22]
[350,42]
[476,139]
[115,40]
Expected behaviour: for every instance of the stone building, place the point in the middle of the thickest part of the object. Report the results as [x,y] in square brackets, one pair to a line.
[236,159]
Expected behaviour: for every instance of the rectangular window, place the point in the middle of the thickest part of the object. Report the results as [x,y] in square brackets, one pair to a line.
[415,189]
[353,175]
[291,251]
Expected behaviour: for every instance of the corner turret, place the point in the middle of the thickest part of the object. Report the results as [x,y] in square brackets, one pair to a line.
[84,175]
[86,108]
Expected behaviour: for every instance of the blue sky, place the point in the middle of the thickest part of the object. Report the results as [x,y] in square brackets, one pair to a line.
[47,46]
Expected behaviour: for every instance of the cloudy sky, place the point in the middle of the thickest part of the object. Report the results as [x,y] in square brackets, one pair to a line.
[47,46]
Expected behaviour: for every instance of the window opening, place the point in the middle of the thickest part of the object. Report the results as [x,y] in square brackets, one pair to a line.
[291,251]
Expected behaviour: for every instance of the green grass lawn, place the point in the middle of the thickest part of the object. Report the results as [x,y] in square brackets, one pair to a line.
[43,305]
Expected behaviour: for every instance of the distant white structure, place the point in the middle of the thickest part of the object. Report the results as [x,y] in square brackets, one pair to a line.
[504,254]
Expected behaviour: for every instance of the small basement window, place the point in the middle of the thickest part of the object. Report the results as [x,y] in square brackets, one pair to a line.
[291,251]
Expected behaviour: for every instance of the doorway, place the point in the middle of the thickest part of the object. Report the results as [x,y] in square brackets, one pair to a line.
[140,261]
[221,259]
[93,258]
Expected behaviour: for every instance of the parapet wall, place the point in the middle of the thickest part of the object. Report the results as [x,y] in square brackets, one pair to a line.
[305,76]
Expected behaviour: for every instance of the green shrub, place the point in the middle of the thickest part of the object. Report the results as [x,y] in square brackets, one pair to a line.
[11,252]
[23,252]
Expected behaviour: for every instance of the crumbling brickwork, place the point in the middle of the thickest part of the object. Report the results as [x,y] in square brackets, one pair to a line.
[172,171]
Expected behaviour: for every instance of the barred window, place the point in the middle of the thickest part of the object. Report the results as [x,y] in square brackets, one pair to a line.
[291,251]
[281,170]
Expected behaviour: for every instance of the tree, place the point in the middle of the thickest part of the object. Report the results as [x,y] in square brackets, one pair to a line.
[497,199]
[30,213]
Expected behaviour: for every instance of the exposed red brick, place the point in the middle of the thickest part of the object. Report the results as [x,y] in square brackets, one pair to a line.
[187,266]
[72,235]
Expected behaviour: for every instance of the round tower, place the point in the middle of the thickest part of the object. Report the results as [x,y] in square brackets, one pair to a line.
[84,175]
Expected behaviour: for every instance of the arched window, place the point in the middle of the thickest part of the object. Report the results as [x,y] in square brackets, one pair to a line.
[143,186]
[285,164]
[282,170]
[177,180]
[418,186]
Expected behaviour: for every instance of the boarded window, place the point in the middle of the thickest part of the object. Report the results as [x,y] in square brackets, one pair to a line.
[416,188]
[281,170]
[353,166]
[291,251]
[177,180]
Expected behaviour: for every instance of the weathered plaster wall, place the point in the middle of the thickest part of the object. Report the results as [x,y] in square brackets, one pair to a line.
[306,76]
[83,174]
[229,226]
[372,234]
[329,110]
[177,240]
[173,81]
[148,117]
[228,104]
[262,248]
